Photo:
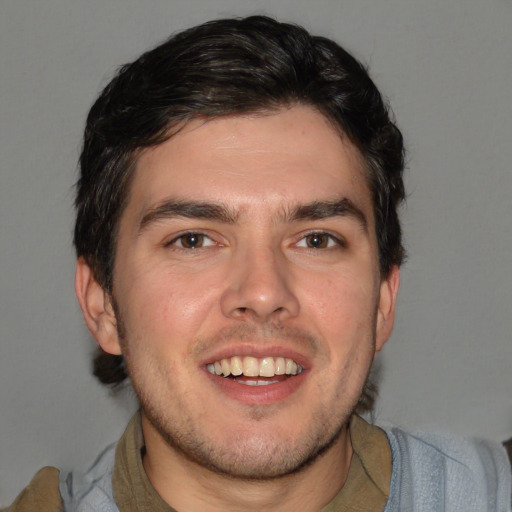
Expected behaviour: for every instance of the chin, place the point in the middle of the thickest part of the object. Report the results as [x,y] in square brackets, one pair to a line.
[264,455]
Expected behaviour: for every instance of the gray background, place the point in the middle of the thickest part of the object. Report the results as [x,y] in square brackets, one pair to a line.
[446,67]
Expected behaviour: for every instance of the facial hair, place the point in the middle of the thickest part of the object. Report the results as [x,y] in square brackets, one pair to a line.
[247,456]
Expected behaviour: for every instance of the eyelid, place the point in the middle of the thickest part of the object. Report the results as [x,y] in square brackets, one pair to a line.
[335,237]
[175,237]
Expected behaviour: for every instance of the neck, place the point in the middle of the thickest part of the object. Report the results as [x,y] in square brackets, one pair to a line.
[186,485]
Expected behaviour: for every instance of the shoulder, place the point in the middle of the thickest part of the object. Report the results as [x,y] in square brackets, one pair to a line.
[41,494]
[51,491]
[459,451]
[91,490]
[433,470]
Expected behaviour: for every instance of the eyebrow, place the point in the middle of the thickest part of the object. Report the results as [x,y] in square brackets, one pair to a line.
[317,210]
[188,209]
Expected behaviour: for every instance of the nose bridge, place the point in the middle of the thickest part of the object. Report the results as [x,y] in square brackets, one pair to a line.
[259,284]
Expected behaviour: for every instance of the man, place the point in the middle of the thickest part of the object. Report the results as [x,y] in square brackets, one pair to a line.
[238,251]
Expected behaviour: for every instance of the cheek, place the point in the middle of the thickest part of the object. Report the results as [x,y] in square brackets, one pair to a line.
[343,310]
[340,300]
[169,307]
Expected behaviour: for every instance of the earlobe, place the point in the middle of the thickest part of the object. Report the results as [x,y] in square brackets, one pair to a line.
[97,309]
[387,305]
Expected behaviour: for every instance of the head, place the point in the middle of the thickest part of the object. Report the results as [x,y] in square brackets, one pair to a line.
[219,76]
[221,68]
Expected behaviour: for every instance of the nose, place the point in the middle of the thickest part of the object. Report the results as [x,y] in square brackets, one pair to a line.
[259,287]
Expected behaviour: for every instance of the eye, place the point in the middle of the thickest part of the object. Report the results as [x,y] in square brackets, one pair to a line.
[192,240]
[319,241]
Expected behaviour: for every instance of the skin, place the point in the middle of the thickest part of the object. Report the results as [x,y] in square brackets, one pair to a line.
[261,281]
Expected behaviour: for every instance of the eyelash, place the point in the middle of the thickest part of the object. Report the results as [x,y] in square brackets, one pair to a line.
[181,237]
[332,241]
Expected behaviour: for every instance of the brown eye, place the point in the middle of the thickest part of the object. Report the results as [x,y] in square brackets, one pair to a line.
[192,240]
[318,240]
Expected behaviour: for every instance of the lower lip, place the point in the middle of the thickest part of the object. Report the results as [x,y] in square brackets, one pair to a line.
[258,395]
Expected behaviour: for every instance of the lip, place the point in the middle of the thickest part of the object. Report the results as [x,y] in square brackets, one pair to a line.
[257,395]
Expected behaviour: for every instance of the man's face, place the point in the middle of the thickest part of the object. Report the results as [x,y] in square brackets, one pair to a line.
[248,248]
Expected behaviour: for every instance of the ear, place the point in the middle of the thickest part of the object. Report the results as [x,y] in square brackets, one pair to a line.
[97,308]
[387,304]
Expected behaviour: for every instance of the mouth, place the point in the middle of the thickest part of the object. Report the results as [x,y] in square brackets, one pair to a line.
[254,371]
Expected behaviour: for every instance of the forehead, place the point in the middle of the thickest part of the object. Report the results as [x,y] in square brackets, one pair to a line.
[281,159]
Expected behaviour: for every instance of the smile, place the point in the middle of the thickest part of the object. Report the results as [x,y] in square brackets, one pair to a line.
[256,380]
[255,367]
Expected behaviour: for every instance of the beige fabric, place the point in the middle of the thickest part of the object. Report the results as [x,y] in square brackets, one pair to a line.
[369,477]
[366,488]
[132,489]
[40,495]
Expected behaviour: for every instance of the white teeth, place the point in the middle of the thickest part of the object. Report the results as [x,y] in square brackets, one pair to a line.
[280,366]
[226,370]
[254,367]
[256,382]
[251,367]
[236,365]
[291,367]
[267,367]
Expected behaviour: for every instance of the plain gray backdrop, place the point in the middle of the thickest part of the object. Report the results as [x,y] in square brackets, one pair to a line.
[446,68]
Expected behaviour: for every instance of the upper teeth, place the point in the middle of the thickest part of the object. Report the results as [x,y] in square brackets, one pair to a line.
[254,367]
